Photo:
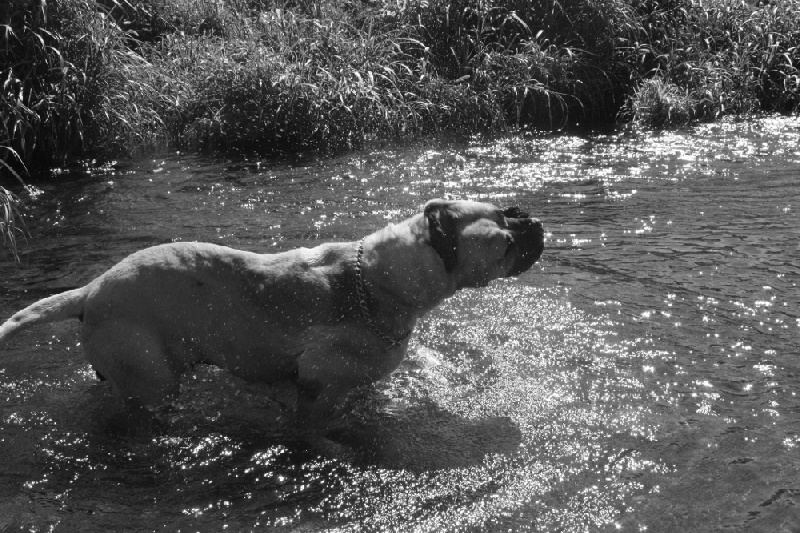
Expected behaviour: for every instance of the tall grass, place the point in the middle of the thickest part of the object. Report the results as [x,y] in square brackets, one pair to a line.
[660,104]
[7,221]
[108,77]
[293,83]
[727,56]
[11,223]
[71,83]
[86,77]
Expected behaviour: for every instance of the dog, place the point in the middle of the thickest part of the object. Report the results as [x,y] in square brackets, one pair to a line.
[325,320]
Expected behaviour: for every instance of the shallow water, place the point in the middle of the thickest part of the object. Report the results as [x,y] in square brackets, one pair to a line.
[644,376]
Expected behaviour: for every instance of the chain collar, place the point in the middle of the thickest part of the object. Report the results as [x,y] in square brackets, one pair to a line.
[361,290]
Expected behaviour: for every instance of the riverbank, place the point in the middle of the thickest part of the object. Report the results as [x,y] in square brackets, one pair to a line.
[106,78]
[88,78]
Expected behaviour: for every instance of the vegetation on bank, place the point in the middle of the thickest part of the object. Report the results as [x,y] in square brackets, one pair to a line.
[10,223]
[104,77]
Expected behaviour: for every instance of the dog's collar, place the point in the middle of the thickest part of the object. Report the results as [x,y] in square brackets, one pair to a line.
[361,290]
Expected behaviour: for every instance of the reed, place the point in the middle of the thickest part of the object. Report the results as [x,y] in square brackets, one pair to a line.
[72,84]
[293,83]
[108,77]
[11,223]
[729,56]
[659,104]
[102,78]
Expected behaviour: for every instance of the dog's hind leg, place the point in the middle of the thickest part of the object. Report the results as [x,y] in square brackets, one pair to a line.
[134,360]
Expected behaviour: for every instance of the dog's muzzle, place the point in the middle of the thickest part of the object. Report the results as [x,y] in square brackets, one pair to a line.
[528,239]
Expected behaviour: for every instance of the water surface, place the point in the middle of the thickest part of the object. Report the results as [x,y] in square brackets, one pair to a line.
[644,376]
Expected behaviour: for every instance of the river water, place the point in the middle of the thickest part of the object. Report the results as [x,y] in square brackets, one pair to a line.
[644,376]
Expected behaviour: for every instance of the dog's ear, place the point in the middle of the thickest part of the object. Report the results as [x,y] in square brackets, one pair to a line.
[443,231]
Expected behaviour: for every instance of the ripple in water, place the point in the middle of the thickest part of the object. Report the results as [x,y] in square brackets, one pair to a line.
[644,376]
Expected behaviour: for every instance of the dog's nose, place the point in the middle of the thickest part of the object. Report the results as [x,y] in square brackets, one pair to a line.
[515,212]
[533,222]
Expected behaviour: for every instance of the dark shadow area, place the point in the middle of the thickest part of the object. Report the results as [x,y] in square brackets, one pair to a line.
[419,438]
[426,438]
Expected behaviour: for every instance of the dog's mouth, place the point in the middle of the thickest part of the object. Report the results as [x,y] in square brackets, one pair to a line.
[527,244]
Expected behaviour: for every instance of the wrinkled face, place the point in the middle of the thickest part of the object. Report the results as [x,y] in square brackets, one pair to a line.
[480,242]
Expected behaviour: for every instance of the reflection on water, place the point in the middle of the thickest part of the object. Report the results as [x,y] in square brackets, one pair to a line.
[643,377]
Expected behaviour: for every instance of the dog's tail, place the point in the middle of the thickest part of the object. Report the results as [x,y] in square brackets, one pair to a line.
[57,307]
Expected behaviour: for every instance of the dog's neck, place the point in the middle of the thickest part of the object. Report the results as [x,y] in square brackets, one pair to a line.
[399,289]
[361,292]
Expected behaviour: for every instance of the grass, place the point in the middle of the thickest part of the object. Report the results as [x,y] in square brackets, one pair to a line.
[109,77]
[103,78]
[657,103]
[717,57]
[72,84]
[11,224]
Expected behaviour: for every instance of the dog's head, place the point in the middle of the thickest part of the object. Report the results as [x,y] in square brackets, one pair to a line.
[479,242]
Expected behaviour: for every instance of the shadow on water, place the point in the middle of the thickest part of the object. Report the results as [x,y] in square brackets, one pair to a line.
[642,377]
[426,438]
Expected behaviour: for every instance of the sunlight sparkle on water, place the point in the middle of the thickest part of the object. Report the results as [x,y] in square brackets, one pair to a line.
[611,387]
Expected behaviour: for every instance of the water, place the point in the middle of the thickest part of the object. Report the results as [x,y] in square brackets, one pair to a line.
[643,377]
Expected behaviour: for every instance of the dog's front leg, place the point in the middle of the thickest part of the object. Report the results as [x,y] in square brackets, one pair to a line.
[317,416]
[323,383]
